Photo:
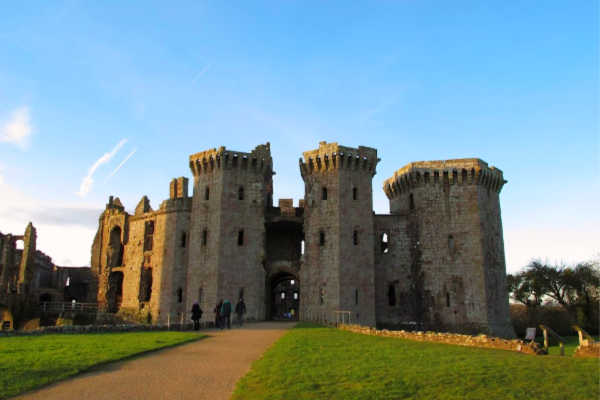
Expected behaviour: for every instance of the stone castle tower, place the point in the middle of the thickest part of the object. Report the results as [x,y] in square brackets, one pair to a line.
[435,262]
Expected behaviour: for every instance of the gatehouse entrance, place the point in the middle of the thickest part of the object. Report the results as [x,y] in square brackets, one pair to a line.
[284,297]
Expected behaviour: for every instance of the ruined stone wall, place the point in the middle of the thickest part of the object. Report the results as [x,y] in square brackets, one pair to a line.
[443,202]
[338,272]
[392,271]
[105,253]
[232,261]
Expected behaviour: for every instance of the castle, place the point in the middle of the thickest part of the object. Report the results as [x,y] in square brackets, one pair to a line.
[28,278]
[435,262]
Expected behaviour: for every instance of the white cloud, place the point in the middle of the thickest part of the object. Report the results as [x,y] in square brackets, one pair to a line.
[120,165]
[17,129]
[64,231]
[88,180]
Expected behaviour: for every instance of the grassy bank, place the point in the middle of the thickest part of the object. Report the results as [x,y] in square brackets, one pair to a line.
[313,362]
[28,362]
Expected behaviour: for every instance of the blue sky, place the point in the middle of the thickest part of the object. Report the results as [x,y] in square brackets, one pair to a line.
[514,83]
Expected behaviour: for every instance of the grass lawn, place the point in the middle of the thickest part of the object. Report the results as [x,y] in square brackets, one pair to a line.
[27,362]
[312,362]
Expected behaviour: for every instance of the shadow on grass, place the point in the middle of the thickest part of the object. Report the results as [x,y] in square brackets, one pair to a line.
[111,365]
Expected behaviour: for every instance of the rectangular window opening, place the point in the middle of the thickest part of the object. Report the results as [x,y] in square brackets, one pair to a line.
[240,240]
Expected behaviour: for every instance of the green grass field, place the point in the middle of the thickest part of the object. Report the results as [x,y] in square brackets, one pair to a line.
[27,362]
[313,362]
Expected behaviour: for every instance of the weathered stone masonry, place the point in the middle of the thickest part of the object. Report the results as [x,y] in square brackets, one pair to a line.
[435,262]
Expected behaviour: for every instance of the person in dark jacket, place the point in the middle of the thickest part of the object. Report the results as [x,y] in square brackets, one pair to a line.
[217,311]
[196,315]
[226,314]
[240,310]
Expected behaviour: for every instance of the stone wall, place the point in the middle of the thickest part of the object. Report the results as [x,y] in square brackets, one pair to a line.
[392,271]
[458,339]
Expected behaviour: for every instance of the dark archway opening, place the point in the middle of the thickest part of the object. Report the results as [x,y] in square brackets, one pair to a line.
[115,248]
[114,296]
[284,297]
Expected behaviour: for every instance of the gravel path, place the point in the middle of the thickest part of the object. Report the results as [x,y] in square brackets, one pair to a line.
[207,369]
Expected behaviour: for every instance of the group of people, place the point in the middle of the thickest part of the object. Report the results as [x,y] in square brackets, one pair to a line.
[222,314]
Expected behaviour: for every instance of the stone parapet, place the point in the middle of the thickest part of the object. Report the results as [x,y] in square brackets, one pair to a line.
[466,171]
[331,156]
[211,160]
[483,341]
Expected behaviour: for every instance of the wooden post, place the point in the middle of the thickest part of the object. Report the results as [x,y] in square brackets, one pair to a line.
[545,338]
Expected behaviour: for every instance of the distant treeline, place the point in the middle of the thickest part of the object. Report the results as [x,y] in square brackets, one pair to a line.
[557,296]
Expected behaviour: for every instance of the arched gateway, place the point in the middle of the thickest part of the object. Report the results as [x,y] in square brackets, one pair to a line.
[283,299]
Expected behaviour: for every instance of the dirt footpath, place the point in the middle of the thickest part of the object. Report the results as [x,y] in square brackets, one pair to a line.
[207,369]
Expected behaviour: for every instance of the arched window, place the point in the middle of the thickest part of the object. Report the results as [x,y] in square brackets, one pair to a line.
[241,193]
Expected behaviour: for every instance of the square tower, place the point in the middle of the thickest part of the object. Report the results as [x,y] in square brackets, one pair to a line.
[338,268]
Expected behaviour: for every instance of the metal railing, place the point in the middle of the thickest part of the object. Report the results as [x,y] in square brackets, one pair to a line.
[64,306]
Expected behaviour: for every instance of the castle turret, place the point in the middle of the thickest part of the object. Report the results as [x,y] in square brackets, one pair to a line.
[232,190]
[338,269]
[455,241]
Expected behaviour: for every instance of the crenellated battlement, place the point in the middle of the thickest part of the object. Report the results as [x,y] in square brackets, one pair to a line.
[331,156]
[465,171]
[258,160]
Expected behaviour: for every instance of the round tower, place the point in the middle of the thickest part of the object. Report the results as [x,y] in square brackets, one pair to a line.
[456,244]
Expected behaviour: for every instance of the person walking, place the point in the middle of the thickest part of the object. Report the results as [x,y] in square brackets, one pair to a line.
[217,311]
[240,310]
[196,315]
[226,314]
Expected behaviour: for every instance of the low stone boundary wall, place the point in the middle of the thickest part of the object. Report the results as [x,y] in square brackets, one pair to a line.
[589,350]
[483,341]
